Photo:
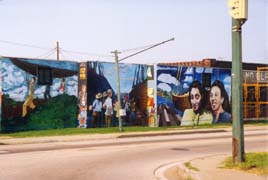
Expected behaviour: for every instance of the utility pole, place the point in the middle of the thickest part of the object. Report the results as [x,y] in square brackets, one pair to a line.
[238,11]
[118,107]
[58,51]
[117,73]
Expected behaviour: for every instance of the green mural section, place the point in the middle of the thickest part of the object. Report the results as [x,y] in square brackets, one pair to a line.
[57,112]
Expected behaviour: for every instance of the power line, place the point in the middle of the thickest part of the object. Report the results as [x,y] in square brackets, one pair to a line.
[23,44]
[48,52]
[85,53]
[69,54]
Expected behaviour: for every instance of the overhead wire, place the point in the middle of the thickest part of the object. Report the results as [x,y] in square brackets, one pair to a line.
[86,53]
[70,54]
[48,52]
[62,54]
[23,44]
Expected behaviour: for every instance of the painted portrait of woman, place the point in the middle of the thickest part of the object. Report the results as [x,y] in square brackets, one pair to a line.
[219,102]
[197,114]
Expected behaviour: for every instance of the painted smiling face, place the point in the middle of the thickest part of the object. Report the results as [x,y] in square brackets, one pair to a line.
[195,98]
[216,98]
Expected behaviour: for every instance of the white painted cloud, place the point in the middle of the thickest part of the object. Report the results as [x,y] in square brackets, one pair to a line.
[199,70]
[228,90]
[189,71]
[164,87]
[13,77]
[15,84]
[188,79]
[185,86]
[227,80]
[167,78]
[19,93]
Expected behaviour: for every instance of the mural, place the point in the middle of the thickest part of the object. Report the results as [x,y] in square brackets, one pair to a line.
[193,95]
[82,96]
[102,98]
[38,94]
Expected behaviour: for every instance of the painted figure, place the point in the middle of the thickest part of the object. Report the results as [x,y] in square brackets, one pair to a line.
[132,117]
[29,100]
[97,106]
[62,86]
[109,108]
[47,92]
[219,102]
[82,98]
[197,114]
[104,96]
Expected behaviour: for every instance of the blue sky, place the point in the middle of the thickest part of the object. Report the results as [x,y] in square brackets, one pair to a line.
[202,29]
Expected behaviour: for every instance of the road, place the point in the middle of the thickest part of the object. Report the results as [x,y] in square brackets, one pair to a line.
[115,159]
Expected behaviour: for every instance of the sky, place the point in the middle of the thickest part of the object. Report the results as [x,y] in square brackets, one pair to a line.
[94,28]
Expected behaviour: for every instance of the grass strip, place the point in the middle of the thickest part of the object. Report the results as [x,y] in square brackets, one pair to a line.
[256,163]
[190,166]
[80,131]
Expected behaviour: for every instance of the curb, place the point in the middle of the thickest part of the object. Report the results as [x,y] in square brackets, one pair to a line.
[149,134]
[174,171]
[53,139]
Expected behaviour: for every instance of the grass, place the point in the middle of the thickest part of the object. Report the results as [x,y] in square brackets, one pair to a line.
[79,131]
[256,163]
[189,166]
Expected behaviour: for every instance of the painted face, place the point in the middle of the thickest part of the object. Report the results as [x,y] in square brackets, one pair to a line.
[195,98]
[215,98]
[84,88]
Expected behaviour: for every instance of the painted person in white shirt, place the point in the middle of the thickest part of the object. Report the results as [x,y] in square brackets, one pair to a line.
[108,105]
[97,105]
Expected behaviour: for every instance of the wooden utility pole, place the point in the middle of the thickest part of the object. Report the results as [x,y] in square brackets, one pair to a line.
[118,107]
[58,51]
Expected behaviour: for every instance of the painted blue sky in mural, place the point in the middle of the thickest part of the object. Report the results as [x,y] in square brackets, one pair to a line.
[127,73]
[177,79]
[15,83]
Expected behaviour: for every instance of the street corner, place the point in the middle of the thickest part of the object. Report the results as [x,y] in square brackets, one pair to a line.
[212,167]
[175,171]
[199,168]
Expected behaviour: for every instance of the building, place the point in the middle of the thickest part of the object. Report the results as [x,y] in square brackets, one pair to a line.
[47,94]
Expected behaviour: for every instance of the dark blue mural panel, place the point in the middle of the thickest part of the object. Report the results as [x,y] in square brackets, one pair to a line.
[102,92]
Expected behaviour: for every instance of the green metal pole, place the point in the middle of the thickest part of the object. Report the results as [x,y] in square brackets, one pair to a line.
[237,94]
[118,89]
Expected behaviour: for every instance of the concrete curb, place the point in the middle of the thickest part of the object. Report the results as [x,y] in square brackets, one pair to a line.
[174,171]
[52,139]
[148,134]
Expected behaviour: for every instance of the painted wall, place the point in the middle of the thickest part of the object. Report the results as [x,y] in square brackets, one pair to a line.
[29,104]
[175,101]
[101,80]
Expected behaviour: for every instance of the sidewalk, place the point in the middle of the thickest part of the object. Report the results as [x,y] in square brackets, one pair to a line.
[85,137]
[209,168]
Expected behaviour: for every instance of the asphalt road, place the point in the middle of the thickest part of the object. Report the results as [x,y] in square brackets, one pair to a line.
[115,159]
